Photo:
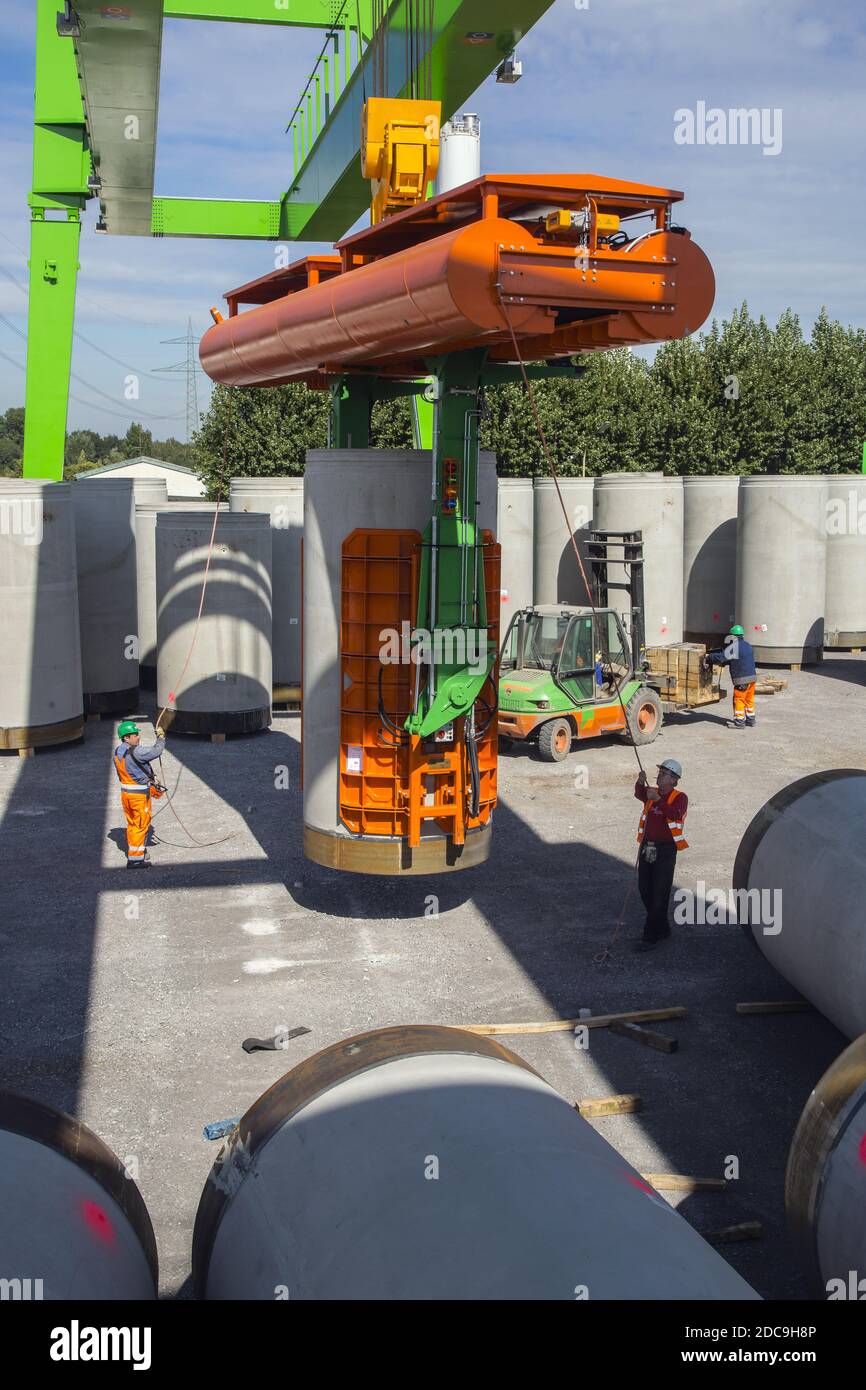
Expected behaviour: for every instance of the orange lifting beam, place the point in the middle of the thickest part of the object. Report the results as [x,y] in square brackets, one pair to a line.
[570,262]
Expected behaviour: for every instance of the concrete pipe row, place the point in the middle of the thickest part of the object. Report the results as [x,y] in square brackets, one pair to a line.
[406,1163]
[783,555]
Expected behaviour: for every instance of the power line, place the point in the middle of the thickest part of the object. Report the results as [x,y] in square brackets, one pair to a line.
[152,323]
[79,400]
[190,366]
[145,414]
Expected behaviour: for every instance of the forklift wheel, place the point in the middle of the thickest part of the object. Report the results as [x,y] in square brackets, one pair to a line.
[643,716]
[554,740]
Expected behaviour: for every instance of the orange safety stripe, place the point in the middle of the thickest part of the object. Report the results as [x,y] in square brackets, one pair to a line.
[675,826]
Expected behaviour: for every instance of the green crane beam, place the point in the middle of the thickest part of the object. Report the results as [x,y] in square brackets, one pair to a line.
[95,118]
[471,37]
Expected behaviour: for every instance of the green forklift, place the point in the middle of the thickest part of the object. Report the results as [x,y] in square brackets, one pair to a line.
[567,673]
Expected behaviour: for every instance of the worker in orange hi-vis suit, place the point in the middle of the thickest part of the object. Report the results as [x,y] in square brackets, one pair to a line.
[138,788]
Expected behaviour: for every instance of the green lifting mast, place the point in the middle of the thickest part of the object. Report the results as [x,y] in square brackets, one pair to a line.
[95,117]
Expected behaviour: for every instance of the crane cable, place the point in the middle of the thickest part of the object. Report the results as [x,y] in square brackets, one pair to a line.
[607,951]
[202,844]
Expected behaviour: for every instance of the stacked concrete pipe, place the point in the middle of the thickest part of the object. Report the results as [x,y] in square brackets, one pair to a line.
[557,575]
[40,651]
[222,683]
[107,593]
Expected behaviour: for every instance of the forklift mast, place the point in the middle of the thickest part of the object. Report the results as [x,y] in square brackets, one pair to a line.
[623,549]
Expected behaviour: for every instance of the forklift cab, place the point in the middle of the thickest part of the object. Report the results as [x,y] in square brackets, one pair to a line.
[586,657]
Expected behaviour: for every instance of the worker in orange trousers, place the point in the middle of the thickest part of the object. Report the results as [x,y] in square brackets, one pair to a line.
[138,788]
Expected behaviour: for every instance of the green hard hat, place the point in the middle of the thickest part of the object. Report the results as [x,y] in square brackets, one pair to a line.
[736,631]
[128,726]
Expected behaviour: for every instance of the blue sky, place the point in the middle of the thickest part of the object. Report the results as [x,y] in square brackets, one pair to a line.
[601,87]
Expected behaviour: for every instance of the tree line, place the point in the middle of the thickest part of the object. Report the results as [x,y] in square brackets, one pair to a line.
[741,397]
[86,449]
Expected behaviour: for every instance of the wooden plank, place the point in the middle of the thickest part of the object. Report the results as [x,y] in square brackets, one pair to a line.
[679,1182]
[609,1105]
[567,1025]
[645,1036]
[777,1006]
[744,1230]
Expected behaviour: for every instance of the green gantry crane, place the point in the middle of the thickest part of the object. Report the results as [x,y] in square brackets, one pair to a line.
[95,121]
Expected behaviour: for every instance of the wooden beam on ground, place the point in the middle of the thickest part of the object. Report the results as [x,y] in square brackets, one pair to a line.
[679,1182]
[645,1036]
[745,1230]
[777,1006]
[568,1025]
[609,1105]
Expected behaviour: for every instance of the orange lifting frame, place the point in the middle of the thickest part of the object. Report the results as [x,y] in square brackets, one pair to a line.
[385,788]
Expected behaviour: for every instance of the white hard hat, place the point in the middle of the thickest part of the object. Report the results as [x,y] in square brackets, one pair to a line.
[672,766]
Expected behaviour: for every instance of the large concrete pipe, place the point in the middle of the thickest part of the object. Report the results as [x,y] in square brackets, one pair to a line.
[845,605]
[431,1163]
[40,650]
[72,1224]
[282,500]
[782,566]
[652,504]
[145,563]
[802,861]
[557,573]
[226,685]
[709,556]
[488,492]
[107,593]
[826,1177]
[355,785]
[516,525]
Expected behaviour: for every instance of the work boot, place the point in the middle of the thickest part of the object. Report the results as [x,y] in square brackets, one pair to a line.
[736,723]
[750,721]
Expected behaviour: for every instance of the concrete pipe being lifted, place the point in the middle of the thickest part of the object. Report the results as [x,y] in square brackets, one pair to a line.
[430,1163]
[825,1184]
[72,1224]
[803,862]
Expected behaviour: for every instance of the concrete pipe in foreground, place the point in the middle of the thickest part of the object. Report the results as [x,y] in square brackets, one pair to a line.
[72,1224]
[825,1185]
[803,862]
[430,1163]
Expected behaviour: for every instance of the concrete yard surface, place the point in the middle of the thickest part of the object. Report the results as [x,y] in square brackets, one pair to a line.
[125,996]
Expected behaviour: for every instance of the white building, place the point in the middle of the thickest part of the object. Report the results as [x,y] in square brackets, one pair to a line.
[181,482]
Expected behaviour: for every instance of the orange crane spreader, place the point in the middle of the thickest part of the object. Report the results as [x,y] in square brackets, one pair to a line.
[547,256]
[507,269]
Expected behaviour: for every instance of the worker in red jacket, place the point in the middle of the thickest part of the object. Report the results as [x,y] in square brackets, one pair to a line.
[660,837]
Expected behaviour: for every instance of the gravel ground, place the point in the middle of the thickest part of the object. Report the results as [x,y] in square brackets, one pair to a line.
[126,1002]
